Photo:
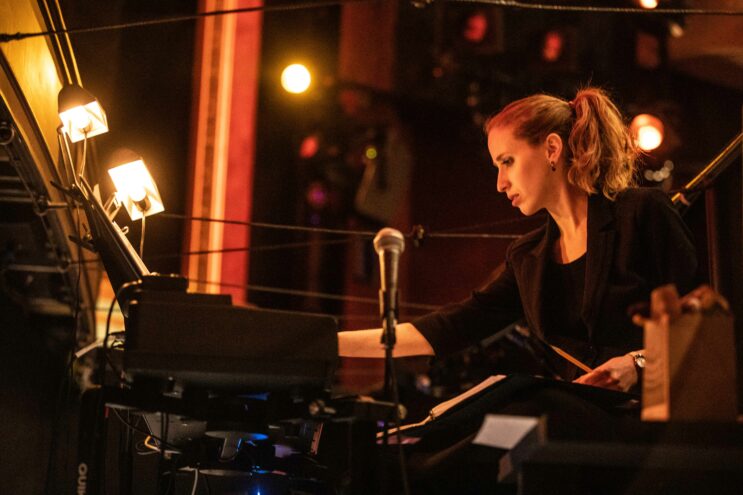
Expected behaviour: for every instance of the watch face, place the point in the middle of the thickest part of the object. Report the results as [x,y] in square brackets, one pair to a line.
[640,360]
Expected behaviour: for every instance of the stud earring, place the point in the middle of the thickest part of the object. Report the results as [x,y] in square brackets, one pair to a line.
[552,166]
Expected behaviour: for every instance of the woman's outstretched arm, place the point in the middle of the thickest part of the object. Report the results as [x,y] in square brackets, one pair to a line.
[367,343]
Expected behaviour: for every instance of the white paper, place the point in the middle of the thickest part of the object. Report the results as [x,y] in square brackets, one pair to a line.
[504,432]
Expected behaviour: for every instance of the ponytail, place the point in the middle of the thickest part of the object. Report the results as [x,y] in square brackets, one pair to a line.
[603,154]
[600,153]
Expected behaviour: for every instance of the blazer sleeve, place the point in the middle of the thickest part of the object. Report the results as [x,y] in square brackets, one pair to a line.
[669,243]
[456,326]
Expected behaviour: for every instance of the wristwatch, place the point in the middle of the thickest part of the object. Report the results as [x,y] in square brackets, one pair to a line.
[639,361]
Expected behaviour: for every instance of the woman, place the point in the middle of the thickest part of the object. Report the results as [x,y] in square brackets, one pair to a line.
[605,246]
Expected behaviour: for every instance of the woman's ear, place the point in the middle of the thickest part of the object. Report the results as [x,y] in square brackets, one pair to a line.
[553,144]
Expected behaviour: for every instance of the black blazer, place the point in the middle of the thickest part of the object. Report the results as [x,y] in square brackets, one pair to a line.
[635,244]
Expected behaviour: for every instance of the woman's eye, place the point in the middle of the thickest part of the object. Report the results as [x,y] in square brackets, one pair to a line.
[507,162]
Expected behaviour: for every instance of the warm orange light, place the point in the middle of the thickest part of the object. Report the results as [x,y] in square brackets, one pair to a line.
[552,46]
[647,131]
[81,114]
[296,78]
[476,28]
[648,4]
[135,188]
[309,147]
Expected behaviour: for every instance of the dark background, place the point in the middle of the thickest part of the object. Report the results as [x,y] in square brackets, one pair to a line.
[444,87]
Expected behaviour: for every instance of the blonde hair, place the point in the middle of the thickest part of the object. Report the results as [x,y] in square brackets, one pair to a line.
[600,152]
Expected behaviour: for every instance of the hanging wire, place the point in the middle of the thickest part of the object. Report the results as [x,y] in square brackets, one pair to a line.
[318,295]
[597,9]
[264,225]
[251,249]
[471,236]
[359,233]
[7,37]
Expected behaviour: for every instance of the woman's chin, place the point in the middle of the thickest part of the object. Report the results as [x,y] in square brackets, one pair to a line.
[525,210]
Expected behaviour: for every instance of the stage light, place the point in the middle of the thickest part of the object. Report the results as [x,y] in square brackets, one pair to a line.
[675,29]
[476,28]
[552,46]
[135,188]
[81,114]
[647,4]
[309,147]
[296,78]
[317,195]
[648,131]
[371,152]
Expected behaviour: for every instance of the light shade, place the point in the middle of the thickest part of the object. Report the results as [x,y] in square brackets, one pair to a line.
[80,113]
[135,188]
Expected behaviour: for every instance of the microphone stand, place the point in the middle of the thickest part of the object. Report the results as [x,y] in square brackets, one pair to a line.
[389,339]
[388,299]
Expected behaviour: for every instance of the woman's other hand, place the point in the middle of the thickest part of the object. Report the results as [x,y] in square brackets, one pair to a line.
[617,373]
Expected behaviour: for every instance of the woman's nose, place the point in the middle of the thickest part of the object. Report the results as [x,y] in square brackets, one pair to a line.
[502,183]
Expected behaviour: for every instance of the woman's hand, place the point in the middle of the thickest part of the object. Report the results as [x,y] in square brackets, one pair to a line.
[617,373]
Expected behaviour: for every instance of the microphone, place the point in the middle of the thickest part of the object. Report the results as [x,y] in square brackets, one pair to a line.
[389,244]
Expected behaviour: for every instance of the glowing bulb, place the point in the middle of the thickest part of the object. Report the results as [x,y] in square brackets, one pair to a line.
[296,78]
[78,118]
[648,4]
[648,138]
[648,131]
[135,189]
[81,114]
[371,152]
[137,193]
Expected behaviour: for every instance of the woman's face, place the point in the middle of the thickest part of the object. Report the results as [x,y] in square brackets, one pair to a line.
[524,172]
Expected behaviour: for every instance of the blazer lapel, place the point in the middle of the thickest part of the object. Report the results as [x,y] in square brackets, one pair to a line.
[532,270]
[600,251]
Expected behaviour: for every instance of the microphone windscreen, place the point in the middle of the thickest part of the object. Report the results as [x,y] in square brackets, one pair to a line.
[389,239]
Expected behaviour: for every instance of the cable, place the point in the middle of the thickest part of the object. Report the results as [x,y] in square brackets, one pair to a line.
[360,233]
[472,236]
[264,225]
[508,221]
[141,237]
[145,432]
[83,159]
[104,348]
[251,249]
[304,293]
[195,481]
[599,10]
[7,37]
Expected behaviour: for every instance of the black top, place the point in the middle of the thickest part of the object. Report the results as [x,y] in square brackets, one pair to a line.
[563,288]
[635,244]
